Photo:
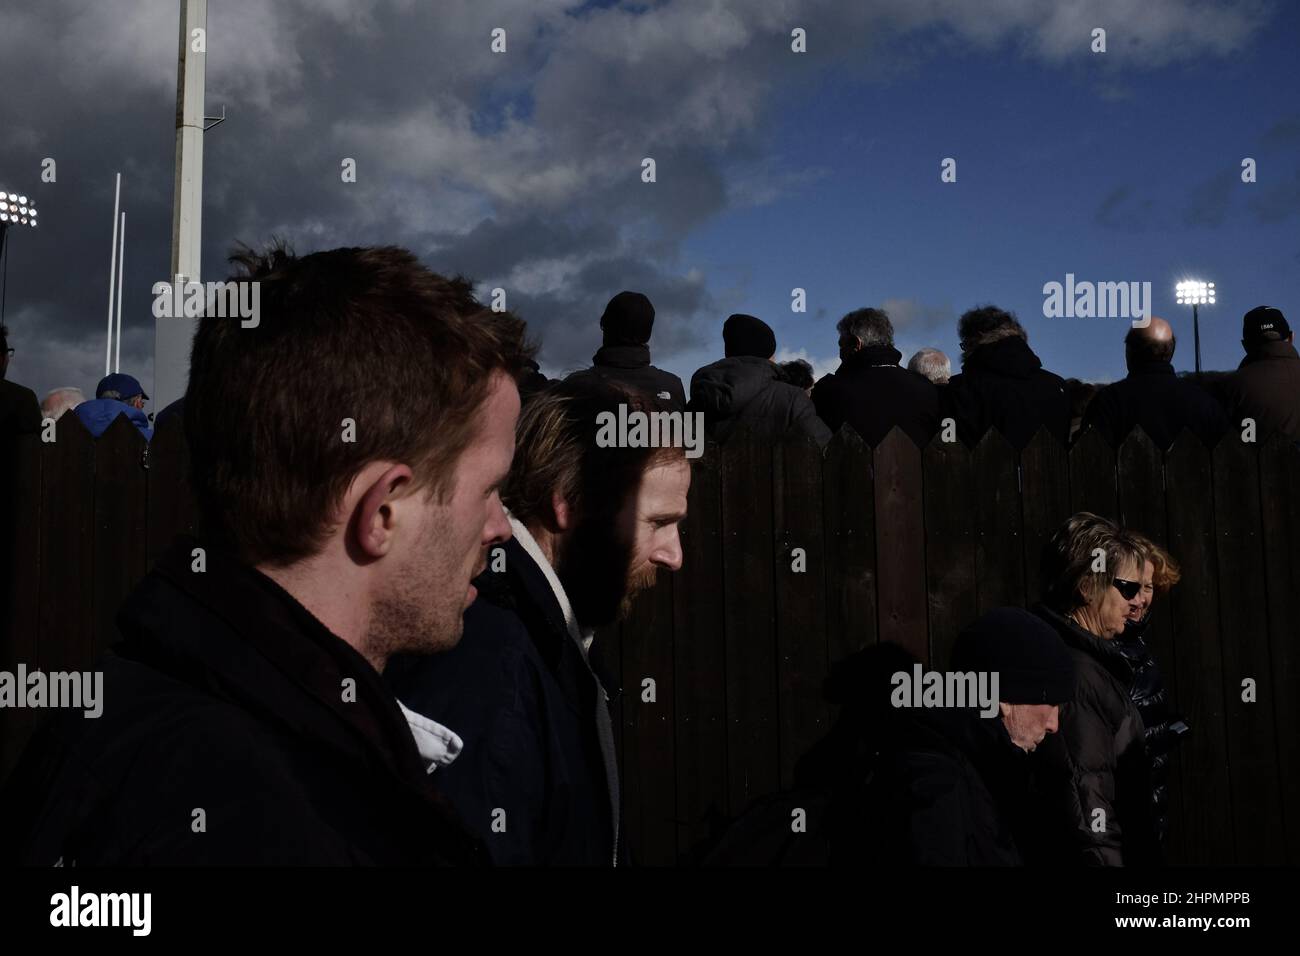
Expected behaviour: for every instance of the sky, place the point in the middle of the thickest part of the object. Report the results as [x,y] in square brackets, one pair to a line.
[774,169]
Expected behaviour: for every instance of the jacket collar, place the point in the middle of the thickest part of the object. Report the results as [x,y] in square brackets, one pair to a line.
[622,356]
[238,635]
[1270,350]
[1011,356]
[526,540]
[1150,367]
[1107,653]
[871,356]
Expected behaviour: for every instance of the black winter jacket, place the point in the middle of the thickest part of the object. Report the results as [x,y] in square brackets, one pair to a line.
[744,391]
[1163,730]
[873,394]
[630,365]
[1153,396]
[1003,385]
[1266,387]
[518,692]
[1109,809]
[227,696]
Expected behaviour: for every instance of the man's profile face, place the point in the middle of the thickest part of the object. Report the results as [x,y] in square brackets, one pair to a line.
[654,514]
[606,562]
[1028,724]
[429,586]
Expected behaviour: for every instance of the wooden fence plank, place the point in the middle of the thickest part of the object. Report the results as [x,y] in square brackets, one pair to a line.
[171,501]
[1045,501]
[848,495]
[699,662]
[800,576]
[1189,490]
[753,762]
[999,544]
[1279,480]
[1243,631]
[67,567]
[949,544]
[120,526]
[900,539]
[1092,476]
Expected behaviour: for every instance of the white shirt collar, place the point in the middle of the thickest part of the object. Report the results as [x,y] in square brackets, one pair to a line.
[526,540]
[438,745]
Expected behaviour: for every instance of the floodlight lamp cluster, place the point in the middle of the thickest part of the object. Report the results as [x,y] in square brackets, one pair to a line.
[15,210]
[1195,292]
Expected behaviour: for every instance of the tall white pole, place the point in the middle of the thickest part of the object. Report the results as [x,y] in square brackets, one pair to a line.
[172,336]
[121,261]
[112,275]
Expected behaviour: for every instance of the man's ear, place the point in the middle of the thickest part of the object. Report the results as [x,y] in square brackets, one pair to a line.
[561,517]
[376,492]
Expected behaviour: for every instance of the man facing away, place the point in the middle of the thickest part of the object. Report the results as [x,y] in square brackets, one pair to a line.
[116,394]
[346,458]
[1153,396]
[538,776]
[624,357]
[1266,386]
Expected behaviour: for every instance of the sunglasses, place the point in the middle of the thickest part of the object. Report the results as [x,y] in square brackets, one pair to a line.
[1129,589]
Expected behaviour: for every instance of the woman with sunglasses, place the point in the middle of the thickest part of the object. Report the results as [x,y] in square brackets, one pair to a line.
[1091,585]
[1164,730]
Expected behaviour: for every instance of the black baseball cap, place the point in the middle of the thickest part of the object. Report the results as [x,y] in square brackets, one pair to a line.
[1264,324]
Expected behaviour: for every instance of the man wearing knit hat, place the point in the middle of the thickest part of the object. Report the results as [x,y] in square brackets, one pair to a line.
[953,788]
[1266,386]
[624,357]
[745,390]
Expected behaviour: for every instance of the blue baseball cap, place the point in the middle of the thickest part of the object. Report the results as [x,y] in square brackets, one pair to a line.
[122,386]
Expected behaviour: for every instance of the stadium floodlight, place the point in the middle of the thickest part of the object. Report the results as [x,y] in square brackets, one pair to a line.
[1195,292]
[15,210]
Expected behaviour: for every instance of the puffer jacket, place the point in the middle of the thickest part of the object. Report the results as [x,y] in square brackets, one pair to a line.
[1163,730]
[747,391]
[1109,806]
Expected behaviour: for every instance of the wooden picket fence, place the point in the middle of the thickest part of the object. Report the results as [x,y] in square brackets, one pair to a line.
[898,544]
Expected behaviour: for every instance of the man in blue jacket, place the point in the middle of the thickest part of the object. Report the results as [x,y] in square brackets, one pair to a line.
[116,394]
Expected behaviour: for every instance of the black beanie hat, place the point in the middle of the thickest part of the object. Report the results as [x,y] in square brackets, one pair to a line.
[746,335]
[1264,324]
[1032,662]
[628,319]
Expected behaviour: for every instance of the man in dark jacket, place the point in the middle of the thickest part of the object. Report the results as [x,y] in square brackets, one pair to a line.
[869,390]
[538,777]
[1003,384]
[1153,396]
[1266,386]
[625,355]
[955,788]
[244,719]
[745,390]
[20,413]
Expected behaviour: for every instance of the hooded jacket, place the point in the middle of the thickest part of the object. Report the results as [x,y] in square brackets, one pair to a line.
[1109,807]
[872,393]
[520,692]
[629,365]
[744,391]
[1003,385]
[228,697]
[1153,396]
[98,413]
[1266,387]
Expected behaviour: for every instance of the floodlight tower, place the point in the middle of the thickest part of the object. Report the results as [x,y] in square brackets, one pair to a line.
[15,210]
[1195,292]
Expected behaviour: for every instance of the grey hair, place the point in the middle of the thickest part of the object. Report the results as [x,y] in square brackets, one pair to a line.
[931,363]
[61,400]
[870,327]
